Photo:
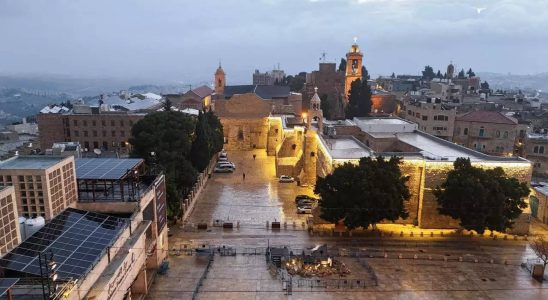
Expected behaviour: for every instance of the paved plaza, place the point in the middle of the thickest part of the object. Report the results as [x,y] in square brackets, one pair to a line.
[404,267]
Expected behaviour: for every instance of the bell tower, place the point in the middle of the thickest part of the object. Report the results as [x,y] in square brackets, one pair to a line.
[315,112]
[353,67]
[220,80]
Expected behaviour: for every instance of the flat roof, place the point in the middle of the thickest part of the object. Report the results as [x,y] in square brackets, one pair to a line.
[346,148]
[431,147]
[77,239]
[105,168]
[34,162]
[6,284]
[383,121]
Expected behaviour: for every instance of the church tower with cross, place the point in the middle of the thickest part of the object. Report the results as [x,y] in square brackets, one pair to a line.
[353,67]
[315,113]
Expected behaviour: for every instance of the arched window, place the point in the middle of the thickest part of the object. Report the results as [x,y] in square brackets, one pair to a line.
[465,131]
[505,134]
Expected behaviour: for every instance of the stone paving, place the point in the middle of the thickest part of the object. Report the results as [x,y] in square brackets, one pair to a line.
[261,198]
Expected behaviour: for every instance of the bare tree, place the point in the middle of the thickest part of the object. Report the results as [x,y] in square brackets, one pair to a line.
[540,247]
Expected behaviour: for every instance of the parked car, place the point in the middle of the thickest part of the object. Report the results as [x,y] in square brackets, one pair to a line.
[301,197]
[226,163]
[286,179]
[304,210]
[223,169]
[305,202]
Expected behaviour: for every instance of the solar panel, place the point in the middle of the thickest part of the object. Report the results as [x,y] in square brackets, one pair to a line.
[6,284]
[105,168]
[77,239]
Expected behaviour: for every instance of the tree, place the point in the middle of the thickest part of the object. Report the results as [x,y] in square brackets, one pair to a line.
[167,104]
[481,199]
[169,135]
[208,140]
[364,194]
[359,99]
[461,74]
[342,65]
[540,247]
[428,73]
[438,75]
[484,85]
[325,106]
[365,74]
[470,73]
[393,75]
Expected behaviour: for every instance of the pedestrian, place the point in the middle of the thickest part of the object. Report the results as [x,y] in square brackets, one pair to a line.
[254,155]
[243,176]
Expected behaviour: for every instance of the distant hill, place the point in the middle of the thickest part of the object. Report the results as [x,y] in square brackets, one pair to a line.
[16,103]
[510,81]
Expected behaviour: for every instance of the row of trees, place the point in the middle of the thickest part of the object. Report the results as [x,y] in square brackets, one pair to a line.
[179,145]
[375,189]
[429,74]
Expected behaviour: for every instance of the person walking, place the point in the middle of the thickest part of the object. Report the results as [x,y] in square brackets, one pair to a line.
[254,155]
[243,176]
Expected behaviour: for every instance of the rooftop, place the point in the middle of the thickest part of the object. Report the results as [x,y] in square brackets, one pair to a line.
[202,91]
[346,148]
[383,121]
[77,239]
[487,116]
[105,168]
[263,91]
[30,162]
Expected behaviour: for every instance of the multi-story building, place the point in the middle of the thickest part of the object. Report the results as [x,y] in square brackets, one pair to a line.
[92,128]
[538,200]
[536,150]
[9,223]
[330,84]
[198,98]
[447,91]
[109,245]
[432,116]
[268,78]
[44,185]
[486,131]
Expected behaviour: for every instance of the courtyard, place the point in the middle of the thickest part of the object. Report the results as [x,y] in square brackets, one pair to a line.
[403,267]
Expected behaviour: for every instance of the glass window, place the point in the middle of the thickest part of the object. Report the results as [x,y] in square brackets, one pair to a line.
[465,131]
[505,134]
[535,149]
[482,131]
[541,149]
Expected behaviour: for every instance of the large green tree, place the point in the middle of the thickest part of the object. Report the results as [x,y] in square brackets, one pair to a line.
[342,65]
[208,140]
[364,194]
[169,135]
[359,100]
[428,73]
[326,106]
[365,74]
[481,199]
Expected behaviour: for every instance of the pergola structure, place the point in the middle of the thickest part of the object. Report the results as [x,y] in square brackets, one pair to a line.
[108,179]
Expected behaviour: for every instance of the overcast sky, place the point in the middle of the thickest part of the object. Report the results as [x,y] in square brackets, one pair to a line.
[183,41]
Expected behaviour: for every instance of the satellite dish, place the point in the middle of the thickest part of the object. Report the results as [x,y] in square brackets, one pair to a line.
[97,151]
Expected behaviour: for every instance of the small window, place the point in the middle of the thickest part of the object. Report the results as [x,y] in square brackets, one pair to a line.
[75,122]
[85,133]
[113,133]
[506,134]
[541,149]
[465,131]
[425,118]
[535,149]
[497,133]
[103,122]
[482,131]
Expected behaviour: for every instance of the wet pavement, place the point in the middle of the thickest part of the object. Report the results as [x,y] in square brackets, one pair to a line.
[420,273]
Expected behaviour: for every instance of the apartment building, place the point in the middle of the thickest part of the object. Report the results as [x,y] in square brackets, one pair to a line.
[432,116]
[489,132]
[44,185]
[536,150]
[9,223]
